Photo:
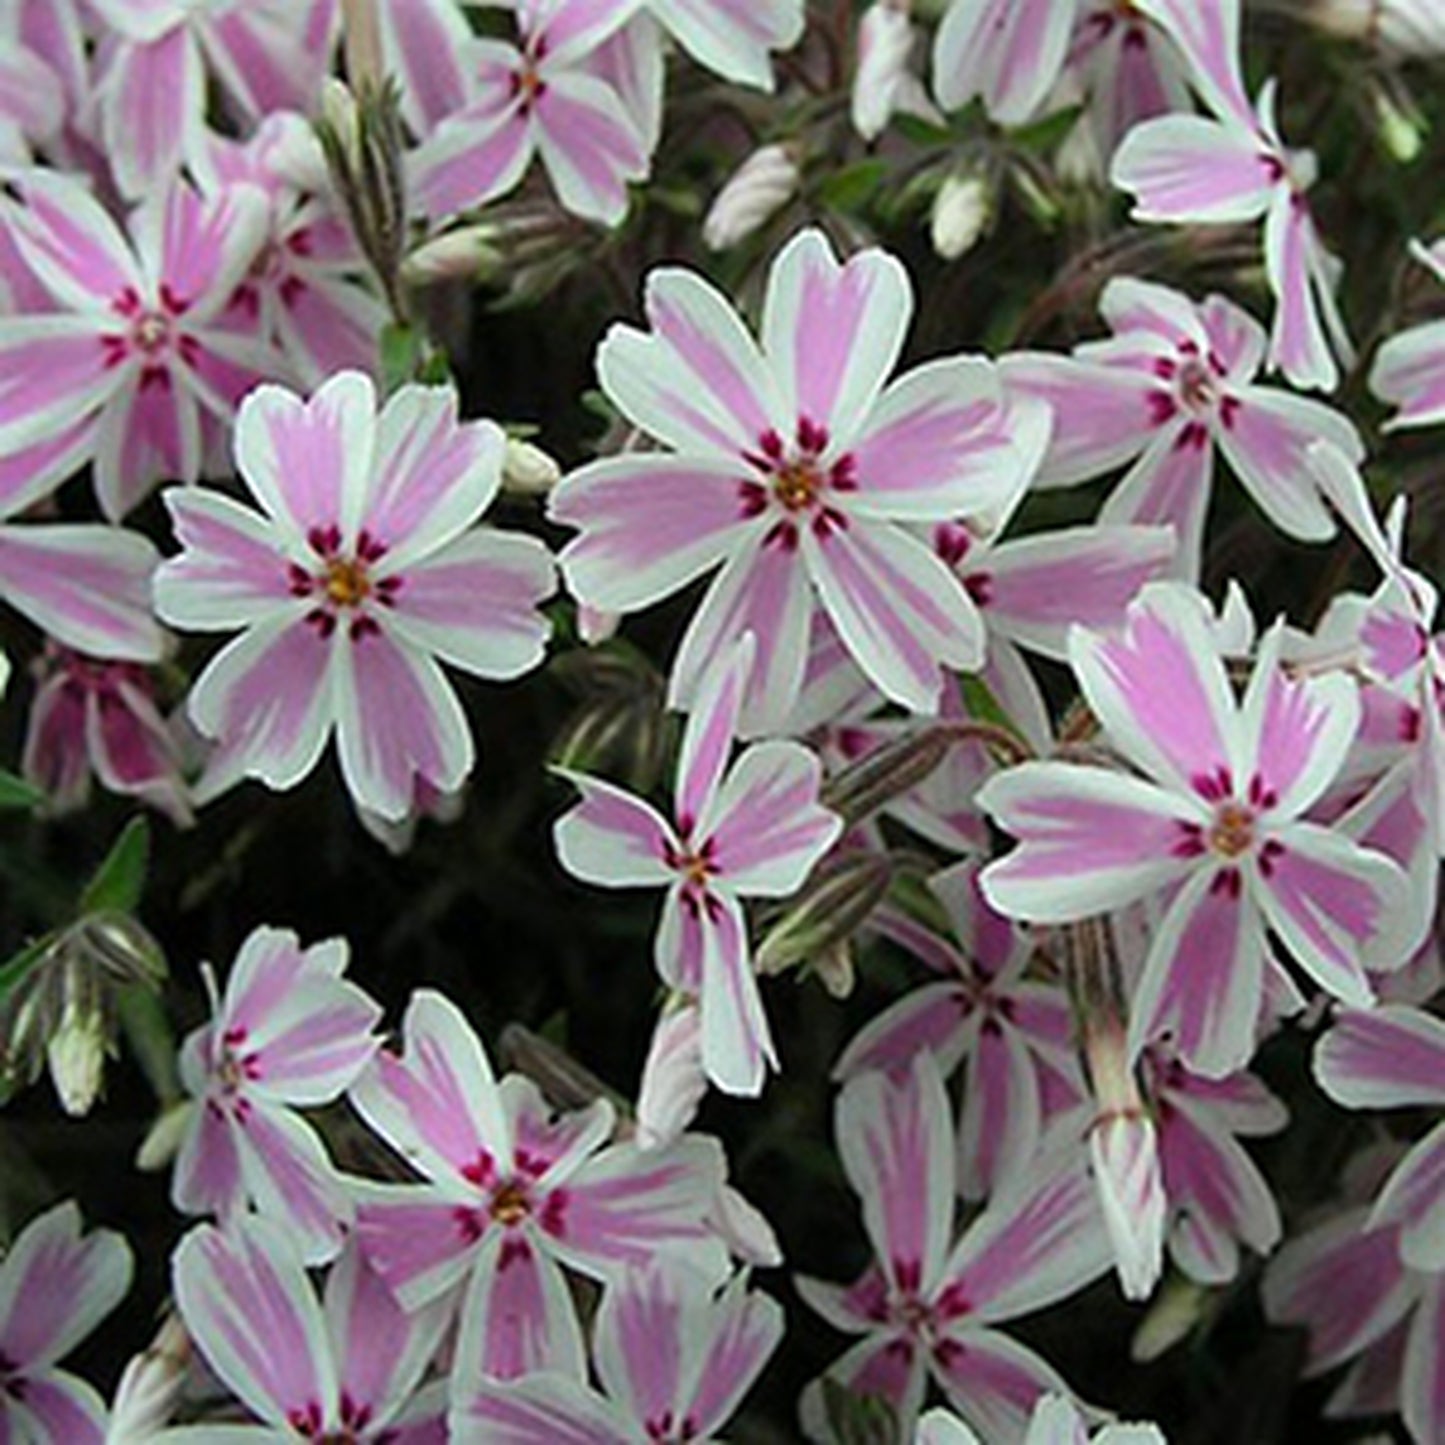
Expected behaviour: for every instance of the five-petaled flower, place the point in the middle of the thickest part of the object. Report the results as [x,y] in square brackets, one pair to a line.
[364,570]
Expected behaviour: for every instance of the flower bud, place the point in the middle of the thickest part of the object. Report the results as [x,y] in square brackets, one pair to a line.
[756,191]
[829,910]
[887,773]
[885,43]
[76,1057]
[1179,1306]
[673,1081]
[962,210]
[528,470]
[1409,28]
[150,1388]
[1124,1149]
[468,253]
[163,1139]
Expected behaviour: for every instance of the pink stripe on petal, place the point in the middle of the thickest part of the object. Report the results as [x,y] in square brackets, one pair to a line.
[1169,485]
[1385,1058]
[1008,51]
[471,159]
[638,1342]
[290,1179]
[71,243]
[424,46]
[931,1018]
[1208,37]
[707,740]
[1422,1387]
[1002,1117]
[541,1410]
[1414,1199]
[992,1381]
[1297,265]
[1409,373]
[1203,980]
[737,1046]
[589,145]
[53,375]
[152,100]
[1189,168]
[613,838]
[733,37]
[745,1329]
[418,1240]
[895,1140]
[58,1408]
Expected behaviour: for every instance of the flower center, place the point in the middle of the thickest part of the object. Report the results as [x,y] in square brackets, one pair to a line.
[796,484]
[348,581]
[1232,831]
[796,480]
[511,1204]
[343,581]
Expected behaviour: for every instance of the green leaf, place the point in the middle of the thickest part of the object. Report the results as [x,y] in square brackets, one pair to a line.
[401,355]
[120,880]
[16,969]
[851,188]
[15,792]
[152,1042]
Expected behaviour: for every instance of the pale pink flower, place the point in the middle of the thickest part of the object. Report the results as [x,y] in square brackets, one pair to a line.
[929,1307]
[135,354]
[55,1288]
[345,1367]
[886,42]
[674,1358]
[1216,824]
[93,716]
[362,569]
[538,97]
[289,1033]
[752,830]
[1409,369]
[156,57]
[794,471]
[307,291]
[1345,1282]
[510,1193]
[1174,387]
[1232,167]
[1011,1032]
[1391,1058]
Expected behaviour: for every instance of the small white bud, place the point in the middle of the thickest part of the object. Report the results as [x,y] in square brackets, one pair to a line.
[163,1140]
[465,254]
[150,1388]
[76,1058]
[1124,1149]
[1172,1317]
[962,210]
[885,44]
[757,190]
[341,116]
[528,470]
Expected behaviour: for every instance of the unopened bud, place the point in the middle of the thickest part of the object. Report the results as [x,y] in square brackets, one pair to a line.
[673,1081]
[830,909]
[163,1139]
[885,43]
[962,210]
[1407,28]
[1124,1149]
[342,119]
[468,253]
[567,1083]
[528,470]
[1401,128]
[150,1388]
[757,190]
[1177,1309]
[886,774]
[76,1058]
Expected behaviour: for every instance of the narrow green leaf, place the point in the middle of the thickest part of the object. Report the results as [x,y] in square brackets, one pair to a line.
[120,880]
[15,792]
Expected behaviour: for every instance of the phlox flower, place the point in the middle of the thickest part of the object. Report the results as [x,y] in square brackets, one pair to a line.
[1055,1421]
[1230,167]
[288,1033]
[1216,824]
[55,1288]
[155,59]
[674,1359]
[306,291]
[538,97]
[733,37]
[93,716]
[754,830]
[342,1368]
[797,475]
[930,1307]
[1390,1058]
[1345,1282]
[509,1194]
[134,354]
[1172,389]
[362,569]
[1409,369]
[1012,1033]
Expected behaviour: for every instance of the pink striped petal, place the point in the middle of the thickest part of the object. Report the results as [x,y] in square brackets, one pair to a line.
[900,611]
[589,145]
[697,381]
[1386,1058]
[1188,168]
[1089,841]
[765,591]
[518,1316]
[1002,1116]
[1203,980]
[71,244]
[1039,586]
[832,331]
[649,526]
[33,472]
[733,37]
[53,374]
[1344,1283]
[1422,1385]
[266,697]
[56,1285]
[1414,1199]
[737,1046]
[1302,275]
[481,152]
[1008,51]
[249,1307]
[1208,38]
[421,1241]
[1160,689]
[398,722]
[147,433]
[639,1342]
[259,54]
[887,1365]
[1409,373]
[438,1105]
[152,102]
[895,1141]
[54,1408]
[929,1018]
[545,1409]
[1170,485]
[475,603]
[230,572]
[87,586]
[613,838]
[424,44]
[742,1331]
[707,740]
[1337,908]
[993,1382]
[1040,1239]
